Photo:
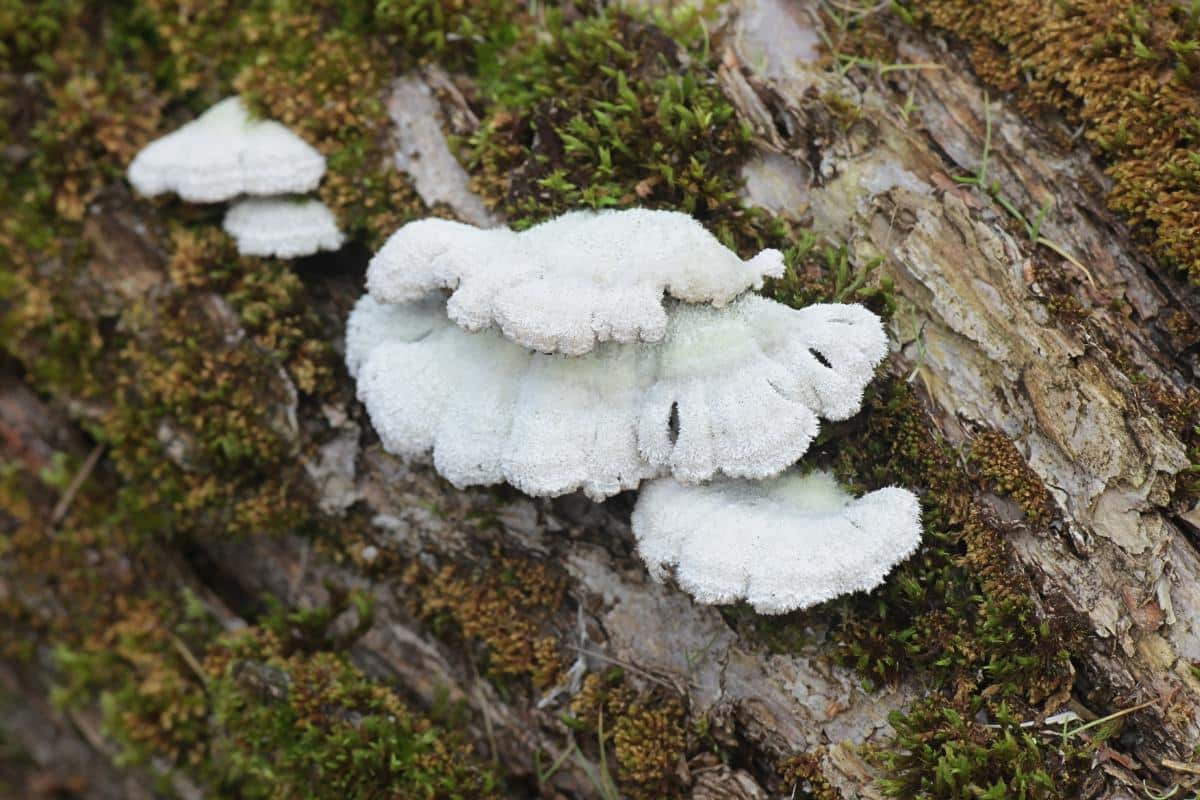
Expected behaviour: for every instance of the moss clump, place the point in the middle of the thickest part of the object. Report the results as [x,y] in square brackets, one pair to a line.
[944,751]
[220,406]
[505,605]
[646,730]
[252,717]
[614,110]
[153,692]
[454,32]
[57,582]
[302,62]
[1128,71]
[960,610]
[162,373]
[826,275]
[802,772]
[312,725]
[1180,411]
[1008,474]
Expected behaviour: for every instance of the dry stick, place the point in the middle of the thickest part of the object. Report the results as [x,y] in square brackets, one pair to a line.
[294,584]
[624,665]
[64,503]
[189,658]
[556,765]
[1110,717]
[488,730]
[1042,240]
[1181,766]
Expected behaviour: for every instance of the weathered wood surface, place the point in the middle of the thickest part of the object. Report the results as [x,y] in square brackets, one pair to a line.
[985,353]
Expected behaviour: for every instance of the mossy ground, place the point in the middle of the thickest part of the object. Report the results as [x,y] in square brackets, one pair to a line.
[579,108]
[257,715]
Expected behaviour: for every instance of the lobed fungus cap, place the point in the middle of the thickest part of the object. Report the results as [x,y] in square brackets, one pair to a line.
[734,391]
[282,227]
[223,153]
[780,545]
[567,284]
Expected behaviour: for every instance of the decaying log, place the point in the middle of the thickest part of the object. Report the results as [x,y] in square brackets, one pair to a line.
[982,349]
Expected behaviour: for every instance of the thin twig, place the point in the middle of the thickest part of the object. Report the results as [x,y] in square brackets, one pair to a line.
[488,730]
[624,665]
[1110,717]
[190,659]
[556,765]
[1042,240]
[64,503]
[1181,766]
[294,585]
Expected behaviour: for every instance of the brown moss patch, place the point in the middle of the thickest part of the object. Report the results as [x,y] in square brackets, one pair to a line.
[505,606]
[1007,473]
[1127,71]
[802,772]
[646,730]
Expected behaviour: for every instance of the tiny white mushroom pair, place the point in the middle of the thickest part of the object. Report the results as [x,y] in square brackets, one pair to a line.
[225,153]
[556,365]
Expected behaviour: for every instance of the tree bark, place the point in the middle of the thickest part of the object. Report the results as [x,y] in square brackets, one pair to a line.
[982,350]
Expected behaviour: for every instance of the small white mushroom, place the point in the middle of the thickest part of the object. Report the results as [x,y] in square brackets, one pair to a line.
[565,285]
[223,153]
[780,545]
[733,391]
[282,227]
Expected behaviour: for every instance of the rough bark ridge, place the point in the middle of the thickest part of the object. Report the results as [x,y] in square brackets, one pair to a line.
[973,330]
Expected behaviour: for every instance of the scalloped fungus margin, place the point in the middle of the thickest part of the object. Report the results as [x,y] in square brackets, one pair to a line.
[283,227]
[781,545]
[570,283]
[225,152]
[733,391]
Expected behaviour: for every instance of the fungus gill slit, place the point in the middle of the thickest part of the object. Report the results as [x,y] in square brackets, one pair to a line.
[820,358]
[673,423]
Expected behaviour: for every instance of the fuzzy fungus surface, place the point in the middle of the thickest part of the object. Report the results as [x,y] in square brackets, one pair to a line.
[734,391]
[282,227]
[780,545]
[226,152]
[571,283]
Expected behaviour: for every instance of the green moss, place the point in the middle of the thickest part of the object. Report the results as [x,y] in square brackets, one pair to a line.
[959,611]
[615,110]
[250,716]
[152,690]
[1127,71]
[826,275]
[454,32]
[504,606]
[60,581]
[645,733]
[215,404]
[312,725]
[1002,466]
[944,751]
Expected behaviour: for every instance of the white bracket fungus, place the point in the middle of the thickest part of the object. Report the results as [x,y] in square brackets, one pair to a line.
[282,227]
[223,153]
[733,391]
[781,545]
[566,284]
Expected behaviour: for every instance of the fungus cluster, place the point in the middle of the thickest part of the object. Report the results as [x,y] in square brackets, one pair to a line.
[603,349]
[225,154]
